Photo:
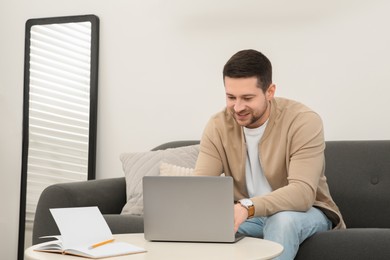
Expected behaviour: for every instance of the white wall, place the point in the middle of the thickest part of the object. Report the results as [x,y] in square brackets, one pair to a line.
[160,71]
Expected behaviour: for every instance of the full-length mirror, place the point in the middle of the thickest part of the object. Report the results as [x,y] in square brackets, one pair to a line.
[60,109]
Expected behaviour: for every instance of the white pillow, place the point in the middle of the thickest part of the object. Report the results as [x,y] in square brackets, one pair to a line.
[167,169]
[138,165]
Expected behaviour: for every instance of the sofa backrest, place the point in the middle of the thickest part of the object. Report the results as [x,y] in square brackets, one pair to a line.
[175,144]
[358,174]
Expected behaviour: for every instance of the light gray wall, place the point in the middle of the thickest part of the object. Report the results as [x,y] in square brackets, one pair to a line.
[160,71]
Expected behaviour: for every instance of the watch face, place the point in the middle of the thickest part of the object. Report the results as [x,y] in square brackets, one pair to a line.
[246,202]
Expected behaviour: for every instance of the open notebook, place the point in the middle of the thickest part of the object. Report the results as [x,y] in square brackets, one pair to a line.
[84,232]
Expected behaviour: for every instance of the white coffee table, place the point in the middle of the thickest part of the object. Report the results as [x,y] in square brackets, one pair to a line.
[247,248]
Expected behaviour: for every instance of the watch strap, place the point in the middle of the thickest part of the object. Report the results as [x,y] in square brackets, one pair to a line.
[251,211]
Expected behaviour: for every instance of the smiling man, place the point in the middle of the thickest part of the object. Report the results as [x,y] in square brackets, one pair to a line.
[273,148]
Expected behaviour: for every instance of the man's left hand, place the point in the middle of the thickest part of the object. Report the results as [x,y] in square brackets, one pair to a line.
[240,215]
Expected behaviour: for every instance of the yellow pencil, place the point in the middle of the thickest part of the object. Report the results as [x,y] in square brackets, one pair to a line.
[101,243]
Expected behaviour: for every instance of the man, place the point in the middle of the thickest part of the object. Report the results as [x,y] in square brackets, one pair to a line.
[274,150]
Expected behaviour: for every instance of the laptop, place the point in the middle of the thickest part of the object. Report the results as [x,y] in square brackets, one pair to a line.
[189,209]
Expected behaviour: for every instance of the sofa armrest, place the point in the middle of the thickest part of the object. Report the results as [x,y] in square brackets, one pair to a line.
[108,194]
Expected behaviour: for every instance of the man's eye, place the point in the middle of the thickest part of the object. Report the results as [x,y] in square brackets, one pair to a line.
[247,99]
[231,98]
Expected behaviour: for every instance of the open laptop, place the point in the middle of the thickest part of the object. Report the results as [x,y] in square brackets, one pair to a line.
[189,209]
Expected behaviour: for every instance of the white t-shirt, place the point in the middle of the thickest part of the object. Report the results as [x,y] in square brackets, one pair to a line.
[256,182]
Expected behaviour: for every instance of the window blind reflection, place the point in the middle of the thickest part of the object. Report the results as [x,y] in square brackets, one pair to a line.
[59,107]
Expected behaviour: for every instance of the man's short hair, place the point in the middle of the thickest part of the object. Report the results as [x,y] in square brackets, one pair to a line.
[250,63]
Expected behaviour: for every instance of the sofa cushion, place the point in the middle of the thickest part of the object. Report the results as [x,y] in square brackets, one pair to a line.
[358,174]
[138,165]
[347,244]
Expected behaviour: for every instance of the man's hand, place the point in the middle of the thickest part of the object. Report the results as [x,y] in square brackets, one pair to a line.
[240,215]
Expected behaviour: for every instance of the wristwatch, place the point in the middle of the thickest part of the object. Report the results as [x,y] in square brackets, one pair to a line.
[248,204]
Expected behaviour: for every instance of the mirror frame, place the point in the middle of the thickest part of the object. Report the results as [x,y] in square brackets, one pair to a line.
[92,108]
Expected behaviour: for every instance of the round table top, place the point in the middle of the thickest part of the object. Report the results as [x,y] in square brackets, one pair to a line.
[246,248]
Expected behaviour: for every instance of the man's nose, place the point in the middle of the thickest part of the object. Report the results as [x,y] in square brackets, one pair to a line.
[239,106]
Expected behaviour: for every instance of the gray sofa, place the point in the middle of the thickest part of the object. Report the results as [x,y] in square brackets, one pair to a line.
[358,174]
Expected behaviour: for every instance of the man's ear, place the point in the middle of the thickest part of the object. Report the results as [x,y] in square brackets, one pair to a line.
[270,92]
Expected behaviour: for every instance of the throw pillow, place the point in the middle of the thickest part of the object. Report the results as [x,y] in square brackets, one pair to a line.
[167,169]
[138,165]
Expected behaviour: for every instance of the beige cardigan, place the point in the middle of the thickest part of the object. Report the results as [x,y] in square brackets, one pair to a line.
[291,155]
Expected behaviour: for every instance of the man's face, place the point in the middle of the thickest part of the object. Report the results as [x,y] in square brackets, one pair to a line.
[247,102]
